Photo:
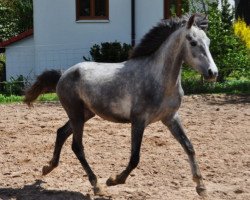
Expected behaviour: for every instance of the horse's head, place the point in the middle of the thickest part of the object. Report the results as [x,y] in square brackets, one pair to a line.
[197,53]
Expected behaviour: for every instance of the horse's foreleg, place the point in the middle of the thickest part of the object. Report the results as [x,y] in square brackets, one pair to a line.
[136,139]
[178,132]
[62,134]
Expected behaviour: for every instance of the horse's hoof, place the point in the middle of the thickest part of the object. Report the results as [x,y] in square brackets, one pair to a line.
[111,181]
[201,190]
[46,170]
[114,181]
[100,191]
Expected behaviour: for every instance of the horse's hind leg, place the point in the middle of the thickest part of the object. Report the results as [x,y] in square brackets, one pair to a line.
[177,130]
[136,139]
[77,119]
[62,134]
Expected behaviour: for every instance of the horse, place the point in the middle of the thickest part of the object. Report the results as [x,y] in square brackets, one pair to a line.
[142,90]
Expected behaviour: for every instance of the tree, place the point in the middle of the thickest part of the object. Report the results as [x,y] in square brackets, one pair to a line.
[229,52]
[16,16]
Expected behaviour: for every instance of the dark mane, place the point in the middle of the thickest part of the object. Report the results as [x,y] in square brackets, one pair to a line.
[151,42]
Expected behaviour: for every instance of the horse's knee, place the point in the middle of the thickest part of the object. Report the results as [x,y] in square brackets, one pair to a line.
[76,148]
[187,145]
[60,136]
[64,132]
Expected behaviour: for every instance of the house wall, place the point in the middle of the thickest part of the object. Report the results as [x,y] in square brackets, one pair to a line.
[20,59]
[61,41]
[148,14]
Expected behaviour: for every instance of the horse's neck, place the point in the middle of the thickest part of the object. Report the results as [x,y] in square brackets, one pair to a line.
[170,60]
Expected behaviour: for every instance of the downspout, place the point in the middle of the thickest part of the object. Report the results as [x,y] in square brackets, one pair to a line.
[133,22]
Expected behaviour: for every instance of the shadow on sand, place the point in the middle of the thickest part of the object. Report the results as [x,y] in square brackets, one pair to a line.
[36,192]
[231,99]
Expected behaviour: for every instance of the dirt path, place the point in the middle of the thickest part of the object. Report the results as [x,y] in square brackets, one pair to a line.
[218,125]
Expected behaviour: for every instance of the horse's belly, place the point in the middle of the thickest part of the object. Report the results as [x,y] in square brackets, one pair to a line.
[114,109]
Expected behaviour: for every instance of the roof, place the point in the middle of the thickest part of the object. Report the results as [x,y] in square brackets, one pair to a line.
[16,38]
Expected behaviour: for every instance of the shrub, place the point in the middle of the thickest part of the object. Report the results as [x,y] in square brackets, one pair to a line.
[15,86]
[2,71]
[193,86]
[243,31]
[111,52]
[229,52]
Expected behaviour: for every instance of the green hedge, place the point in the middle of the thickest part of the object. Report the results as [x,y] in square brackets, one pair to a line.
[229,87]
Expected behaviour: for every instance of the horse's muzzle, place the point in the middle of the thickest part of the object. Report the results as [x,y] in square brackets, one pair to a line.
[211,75]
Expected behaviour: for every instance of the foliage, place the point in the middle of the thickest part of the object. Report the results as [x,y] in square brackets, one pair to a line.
[14,98]
[48,97]
[15,86]
[2,71]
[110,52]
[2,57]
[10,99]
[2,67]
[198,6]
[193,84]
[243,31]
[228,87]
[229,52]
[185,6]
[16,16]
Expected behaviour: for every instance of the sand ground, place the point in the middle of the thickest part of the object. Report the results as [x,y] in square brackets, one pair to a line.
[218,126]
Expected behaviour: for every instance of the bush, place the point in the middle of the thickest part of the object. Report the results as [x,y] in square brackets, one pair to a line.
[111,52]
[243,31]
[229,52]
[15,86]
[2,71]
[193,86]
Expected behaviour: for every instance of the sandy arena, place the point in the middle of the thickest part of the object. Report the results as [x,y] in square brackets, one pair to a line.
[218,126]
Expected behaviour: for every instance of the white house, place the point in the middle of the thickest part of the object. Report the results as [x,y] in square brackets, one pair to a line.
[64,31]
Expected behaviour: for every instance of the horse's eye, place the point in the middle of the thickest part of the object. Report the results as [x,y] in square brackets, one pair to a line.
[193,43]
[189,38]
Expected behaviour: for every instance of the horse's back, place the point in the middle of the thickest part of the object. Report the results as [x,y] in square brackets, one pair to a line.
[90,72]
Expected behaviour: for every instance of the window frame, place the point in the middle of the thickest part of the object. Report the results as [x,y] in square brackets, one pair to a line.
[167,6]
[92,12]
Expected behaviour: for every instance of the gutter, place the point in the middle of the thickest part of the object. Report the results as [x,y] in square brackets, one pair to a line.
[16,38]
[133,22]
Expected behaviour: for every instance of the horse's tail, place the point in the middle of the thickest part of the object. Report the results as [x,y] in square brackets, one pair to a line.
[46,82]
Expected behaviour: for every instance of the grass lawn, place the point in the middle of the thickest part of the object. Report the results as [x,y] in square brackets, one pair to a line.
[13,98]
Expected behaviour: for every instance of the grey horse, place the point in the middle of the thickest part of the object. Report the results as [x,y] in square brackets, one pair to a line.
[143,90]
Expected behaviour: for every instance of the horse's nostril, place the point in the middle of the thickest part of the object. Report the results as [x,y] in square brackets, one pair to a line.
[210,73]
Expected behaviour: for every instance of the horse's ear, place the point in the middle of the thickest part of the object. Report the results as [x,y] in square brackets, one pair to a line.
[204,23]
[190,21]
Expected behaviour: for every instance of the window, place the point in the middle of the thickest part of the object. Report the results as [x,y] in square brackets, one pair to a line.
[92,9]
[172,7]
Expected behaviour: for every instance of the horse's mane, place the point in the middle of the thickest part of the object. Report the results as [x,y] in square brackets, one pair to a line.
[151,42]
